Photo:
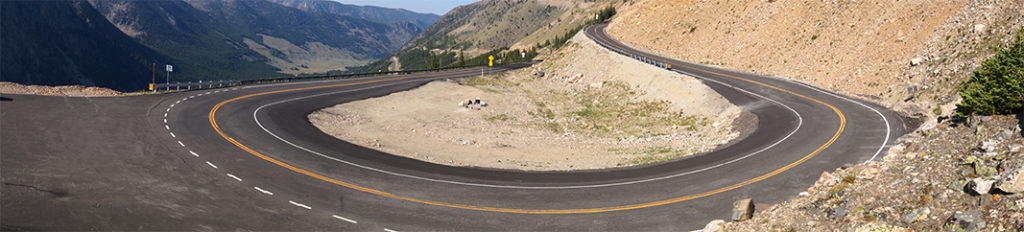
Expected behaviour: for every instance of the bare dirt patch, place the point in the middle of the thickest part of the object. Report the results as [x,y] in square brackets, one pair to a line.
[591,109]
[68,90]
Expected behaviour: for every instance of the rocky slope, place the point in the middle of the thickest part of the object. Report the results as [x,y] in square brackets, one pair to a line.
[907,55]
[477,28]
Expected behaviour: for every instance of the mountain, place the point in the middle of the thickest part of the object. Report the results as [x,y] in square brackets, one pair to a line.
[217,39]
[372,13]
[69,43]
[490,26]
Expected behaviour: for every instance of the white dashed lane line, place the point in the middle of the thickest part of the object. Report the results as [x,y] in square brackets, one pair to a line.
[165,121]
[345,219]
[168,109]
[165,115]
[172,134]
[167,127]
[263,191]
[390,230]
[211,164]
[180,143]
[234,177]
[193,153]
[300,205]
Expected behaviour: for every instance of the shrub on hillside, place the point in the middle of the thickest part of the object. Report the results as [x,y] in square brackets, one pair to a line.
[997,87]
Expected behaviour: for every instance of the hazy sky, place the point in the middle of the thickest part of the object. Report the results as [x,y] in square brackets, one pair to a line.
[438,7]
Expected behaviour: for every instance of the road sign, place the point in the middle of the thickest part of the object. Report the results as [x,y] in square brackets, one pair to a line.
[151,86]
[490,61]
[170,68]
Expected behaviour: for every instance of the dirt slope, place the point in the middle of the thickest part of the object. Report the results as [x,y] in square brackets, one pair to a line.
[861,48]
[591,109]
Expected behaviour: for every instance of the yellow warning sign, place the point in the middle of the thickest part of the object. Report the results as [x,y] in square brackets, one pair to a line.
[490,61]
[150,86]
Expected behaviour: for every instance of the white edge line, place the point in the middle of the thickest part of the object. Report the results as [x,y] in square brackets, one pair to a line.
[258,123]
[300,205]
[345,219]
[888,129]
[193,153]
[263,191]
[211,164]
[234,177]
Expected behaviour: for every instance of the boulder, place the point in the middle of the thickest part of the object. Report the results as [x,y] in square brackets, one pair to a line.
[1013,182]
[978,186]
[979,28]
[916,61]
[743,209]
[969,221]
[714,226]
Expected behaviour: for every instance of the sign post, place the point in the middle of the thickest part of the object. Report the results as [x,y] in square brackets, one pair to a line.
[169,70]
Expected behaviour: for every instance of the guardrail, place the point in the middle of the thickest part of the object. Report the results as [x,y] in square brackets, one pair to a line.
[178,86]
[625,53]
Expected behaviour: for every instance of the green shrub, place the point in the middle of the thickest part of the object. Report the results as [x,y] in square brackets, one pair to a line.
[997,87]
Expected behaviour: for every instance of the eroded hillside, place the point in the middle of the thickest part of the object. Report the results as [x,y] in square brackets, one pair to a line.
[883,51]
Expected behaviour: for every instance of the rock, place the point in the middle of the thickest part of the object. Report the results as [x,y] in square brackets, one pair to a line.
[743,209]
[979,28]
[1013,182]
[804,194]
[538,73]
[988,145]
[916,215]
[916,61]
[596,85]
[969,221]
[713,226]
[978,186]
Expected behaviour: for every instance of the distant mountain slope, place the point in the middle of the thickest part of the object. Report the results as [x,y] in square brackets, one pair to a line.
[245,39]
[490,25]
[72,44]
[372,13]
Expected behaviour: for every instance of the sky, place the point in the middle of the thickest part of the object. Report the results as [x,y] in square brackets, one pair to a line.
[438,7]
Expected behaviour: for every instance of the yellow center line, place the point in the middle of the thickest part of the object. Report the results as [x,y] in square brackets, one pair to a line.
[213,122]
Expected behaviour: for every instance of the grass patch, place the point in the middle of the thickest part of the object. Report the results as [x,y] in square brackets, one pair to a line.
[500,117]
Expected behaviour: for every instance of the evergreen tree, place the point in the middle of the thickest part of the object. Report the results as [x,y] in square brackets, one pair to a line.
[997,87]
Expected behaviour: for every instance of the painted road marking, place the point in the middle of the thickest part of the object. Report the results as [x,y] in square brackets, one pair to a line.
[193,96]
[167,127]
[172,106]
[300,205]
[390,230]
[263,191]
[165,121]
[211,164]
[165,115]
[168,109]
[172,134]
[345,219]
[800,121]
[179,101]
[234,177]
[207,92]
[193,153]
[839,131]
[184,99]
[182,144]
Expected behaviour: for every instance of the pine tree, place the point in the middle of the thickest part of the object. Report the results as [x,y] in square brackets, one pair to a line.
[997,87]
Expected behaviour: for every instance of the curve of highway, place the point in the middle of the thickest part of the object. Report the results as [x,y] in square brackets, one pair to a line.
[257,140]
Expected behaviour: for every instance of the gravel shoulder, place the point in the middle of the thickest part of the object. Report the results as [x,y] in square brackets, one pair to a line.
[585,109]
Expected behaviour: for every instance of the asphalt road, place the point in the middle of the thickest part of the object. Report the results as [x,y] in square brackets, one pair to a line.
[247,158]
